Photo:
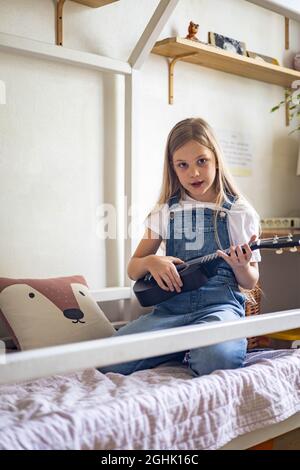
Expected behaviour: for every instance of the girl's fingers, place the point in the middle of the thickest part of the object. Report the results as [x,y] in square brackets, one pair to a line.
[248,251]
[237,255]
[233,254]
[177,283]
[177,261]
[240,255]
[160,283]
[244,254]
[223,255]
[168,282]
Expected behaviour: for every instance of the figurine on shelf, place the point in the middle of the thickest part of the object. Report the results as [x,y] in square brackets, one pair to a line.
[296,62]
[193,30]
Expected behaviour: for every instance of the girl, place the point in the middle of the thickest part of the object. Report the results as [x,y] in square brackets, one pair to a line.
[200,211]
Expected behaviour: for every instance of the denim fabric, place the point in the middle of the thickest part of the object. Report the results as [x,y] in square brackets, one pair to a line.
[191,233]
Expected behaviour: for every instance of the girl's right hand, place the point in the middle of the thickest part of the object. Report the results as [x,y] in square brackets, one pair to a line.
[164,272]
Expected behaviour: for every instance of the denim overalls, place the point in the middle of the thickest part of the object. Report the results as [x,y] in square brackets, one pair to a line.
[191,234]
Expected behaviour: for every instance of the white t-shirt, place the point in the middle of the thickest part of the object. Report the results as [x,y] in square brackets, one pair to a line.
[243,220]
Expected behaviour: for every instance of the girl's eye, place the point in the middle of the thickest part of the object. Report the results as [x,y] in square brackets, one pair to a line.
[200,162]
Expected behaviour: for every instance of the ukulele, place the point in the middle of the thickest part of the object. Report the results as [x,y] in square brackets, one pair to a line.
[149,293]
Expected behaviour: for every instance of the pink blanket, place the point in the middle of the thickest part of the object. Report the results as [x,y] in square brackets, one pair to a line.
[162,408]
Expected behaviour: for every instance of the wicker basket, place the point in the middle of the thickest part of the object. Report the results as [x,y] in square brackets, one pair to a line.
[253,307]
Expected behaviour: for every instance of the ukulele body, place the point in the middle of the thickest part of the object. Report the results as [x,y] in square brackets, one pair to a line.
[149,293]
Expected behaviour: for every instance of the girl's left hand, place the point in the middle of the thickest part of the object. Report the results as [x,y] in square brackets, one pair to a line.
[237,258]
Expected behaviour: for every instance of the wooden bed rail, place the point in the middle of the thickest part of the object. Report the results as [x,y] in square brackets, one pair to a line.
[33,364]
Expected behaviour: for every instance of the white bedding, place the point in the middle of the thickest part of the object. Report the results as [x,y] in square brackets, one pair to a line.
[162,408]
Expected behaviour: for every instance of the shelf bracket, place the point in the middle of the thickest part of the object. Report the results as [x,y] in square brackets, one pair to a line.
[287,108]
[59,14]
[59,22]
[287,32]
[171,73]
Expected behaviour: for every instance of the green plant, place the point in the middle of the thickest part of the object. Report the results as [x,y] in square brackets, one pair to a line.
[292,101]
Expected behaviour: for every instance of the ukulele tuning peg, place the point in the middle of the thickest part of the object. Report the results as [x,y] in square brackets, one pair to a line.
[279,252]
[293,249]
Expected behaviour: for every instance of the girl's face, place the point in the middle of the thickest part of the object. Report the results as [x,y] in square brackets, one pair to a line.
[195,167]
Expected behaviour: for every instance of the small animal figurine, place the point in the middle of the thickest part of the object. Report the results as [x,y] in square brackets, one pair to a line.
[192,30]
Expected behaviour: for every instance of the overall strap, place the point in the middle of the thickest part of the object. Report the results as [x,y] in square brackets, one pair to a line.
[174,199]
[228,205]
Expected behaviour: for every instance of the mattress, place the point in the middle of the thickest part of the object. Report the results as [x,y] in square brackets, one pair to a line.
[161,408]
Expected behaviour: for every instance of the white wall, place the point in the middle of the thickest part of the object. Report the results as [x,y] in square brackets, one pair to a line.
[61,138]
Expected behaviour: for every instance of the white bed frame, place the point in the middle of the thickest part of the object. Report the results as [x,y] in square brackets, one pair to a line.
[37,363]
[30,365]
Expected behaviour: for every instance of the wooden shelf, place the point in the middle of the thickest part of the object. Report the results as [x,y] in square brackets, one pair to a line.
[281,232]
[95,3]
[215,58]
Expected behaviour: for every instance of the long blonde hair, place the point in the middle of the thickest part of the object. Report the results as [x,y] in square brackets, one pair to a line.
[198,130]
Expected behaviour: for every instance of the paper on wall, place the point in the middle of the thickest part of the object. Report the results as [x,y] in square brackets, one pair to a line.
[237,150]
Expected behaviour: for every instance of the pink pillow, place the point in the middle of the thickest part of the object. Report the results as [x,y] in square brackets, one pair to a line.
[48,312]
